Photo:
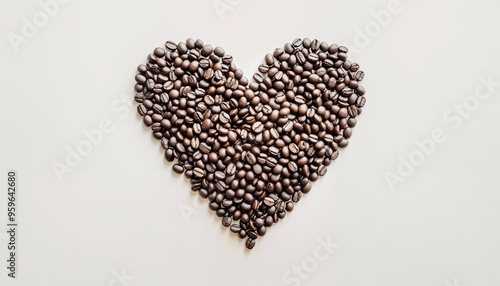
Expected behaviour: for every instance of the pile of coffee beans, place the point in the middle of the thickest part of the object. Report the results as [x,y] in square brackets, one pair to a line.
[251,148]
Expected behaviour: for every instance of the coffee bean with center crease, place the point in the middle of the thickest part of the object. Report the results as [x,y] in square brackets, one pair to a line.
[258,127]
[226,221]
[250,148]
[198,172]
[235,228]
[250,243]
[251,159]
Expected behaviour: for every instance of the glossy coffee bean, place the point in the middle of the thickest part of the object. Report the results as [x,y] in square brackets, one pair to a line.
[251,148]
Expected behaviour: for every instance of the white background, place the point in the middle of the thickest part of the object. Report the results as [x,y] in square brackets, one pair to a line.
[119,209]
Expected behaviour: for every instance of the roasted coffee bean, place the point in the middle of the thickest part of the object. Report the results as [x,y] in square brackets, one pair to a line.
[235,228]
[268,201]
[352,111]
[219,175]
[231,169]
[250,243]
[294,149]
[250,158]
[198,172]
[169,155]
[257,169]
[226,221]
[307,188]
[258,127]
[271,162]
[252,234]
[171,46]
[242,234]
[335,155]
[322,170]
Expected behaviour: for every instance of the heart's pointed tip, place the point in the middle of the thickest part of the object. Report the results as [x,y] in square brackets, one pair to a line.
[251,148]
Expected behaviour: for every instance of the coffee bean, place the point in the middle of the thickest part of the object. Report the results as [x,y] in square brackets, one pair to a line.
[288,126]
[251,159]
[219,175]
[313,58]
[235,228]
[352,111]
[268,201]
[231,169]
[198,172]
[271,162]
[250,243]
[322,170]
[307,188]
[258,127]
[335,155]
[359,75]
[262,230]
[226,221]
[207,50]
[171,46]
[242,234]
[218,51]
[205,148]
[360,90]
[206,124]
[169,155]
[252,234]
[178,168]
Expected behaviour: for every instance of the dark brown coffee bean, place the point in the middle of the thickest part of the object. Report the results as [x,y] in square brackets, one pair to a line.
[242,234]
[322,170]
[335,155]
[268,201]
[226,221]
[307,188]
[250,158]
[231,169]
[171,46]
[252,234]
[250,243]
[294,149]
[235,228]
[257,169]
[352,111]
[262,230]
[178,168]
[205,148]
[169,155]
[198,172]
[206,124]
[271,162]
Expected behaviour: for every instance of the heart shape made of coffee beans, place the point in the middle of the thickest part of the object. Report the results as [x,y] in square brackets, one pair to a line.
[251,149]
